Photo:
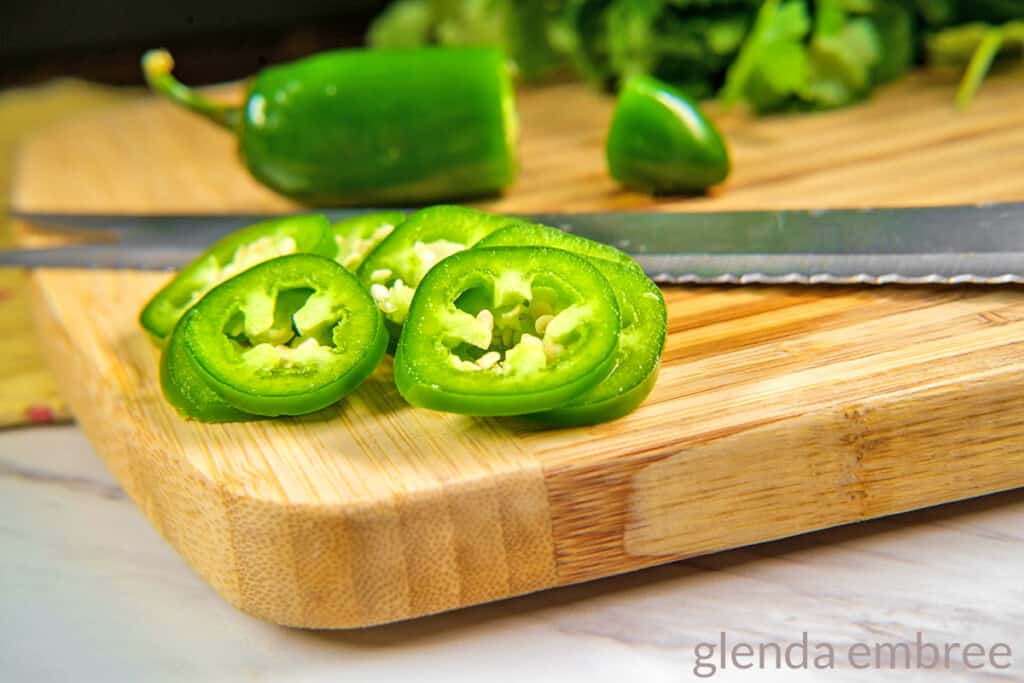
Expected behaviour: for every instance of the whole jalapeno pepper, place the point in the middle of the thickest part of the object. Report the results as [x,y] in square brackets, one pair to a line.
[393,270]
[357,236]
[641,340]
[231,255]
[660,142]
[507,331]
[370,126]
[289,336]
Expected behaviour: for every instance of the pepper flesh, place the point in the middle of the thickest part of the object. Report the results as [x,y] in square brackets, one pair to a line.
[230,256]
[641,340]
[394,269]
[660,142]
[187,391]
[507,331]
[537,235]
[286,337]
[356,237]
[370,126]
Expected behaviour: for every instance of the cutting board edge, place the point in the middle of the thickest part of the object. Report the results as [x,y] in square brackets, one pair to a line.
[865,460]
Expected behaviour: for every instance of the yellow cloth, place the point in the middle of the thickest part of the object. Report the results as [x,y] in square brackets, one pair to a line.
[28,394]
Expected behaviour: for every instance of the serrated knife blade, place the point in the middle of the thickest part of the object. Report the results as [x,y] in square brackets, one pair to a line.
[978,244]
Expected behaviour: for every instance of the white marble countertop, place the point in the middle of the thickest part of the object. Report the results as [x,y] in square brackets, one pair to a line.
[89,592]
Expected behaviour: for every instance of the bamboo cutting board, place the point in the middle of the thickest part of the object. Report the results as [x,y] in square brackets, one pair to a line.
[778,410]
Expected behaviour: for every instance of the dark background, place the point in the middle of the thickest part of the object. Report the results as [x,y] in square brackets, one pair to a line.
[212,41]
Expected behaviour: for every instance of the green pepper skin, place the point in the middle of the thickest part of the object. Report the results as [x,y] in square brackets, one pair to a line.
[641,341]
[660,142]
[638,358]
[371,126]
[239,250]
[401,260]
[443,338]
[187,391]
[536,235]
[356,237]
[289,336]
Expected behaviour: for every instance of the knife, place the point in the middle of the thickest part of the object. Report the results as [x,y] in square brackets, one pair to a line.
[977,244]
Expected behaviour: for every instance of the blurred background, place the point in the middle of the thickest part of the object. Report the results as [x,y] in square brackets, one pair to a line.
[102,40]
[773,54]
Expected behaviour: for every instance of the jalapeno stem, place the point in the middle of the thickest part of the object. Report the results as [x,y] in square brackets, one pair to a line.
[157,66]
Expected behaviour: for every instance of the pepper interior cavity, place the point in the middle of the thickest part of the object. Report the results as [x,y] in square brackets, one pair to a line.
[513,324]
[291,330]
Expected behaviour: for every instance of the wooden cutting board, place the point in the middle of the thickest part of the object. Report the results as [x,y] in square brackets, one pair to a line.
[778,410]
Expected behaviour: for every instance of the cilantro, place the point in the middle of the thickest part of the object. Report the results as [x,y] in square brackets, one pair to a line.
[770,54]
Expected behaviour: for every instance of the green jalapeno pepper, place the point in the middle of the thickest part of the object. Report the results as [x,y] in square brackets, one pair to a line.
[288,336]
[395,268]
[230,256]
[370,126]
[641,340]
[535,235]
[507,331]
[187,391]
[357,236]
[659,141]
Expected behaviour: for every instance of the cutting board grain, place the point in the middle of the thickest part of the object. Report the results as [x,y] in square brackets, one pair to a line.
[778,410]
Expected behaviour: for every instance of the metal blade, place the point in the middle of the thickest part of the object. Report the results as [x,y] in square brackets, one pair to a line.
[953,244]
[168,227]
[111,256]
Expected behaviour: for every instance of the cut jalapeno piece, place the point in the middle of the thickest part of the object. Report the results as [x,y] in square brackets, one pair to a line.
[507,331]
[230,256]
[641,340]
[536,235]
[637,360]
[357,236]
[659,141]
[286,337]
[186,390]
[395,268]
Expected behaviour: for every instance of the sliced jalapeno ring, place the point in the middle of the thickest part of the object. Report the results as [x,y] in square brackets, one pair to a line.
[357,236]
[535,235]
[641,340]
[507,331]
[186,390]
[230,256]
[395,268]
[638,358]
[286,337]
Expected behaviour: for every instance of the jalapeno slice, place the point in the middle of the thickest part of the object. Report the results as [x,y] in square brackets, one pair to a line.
[230,256]
[187,391]
[289,336]
[507,331]
[536,235]
[357,236]
[637,360]
[395,268]
[641,340]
